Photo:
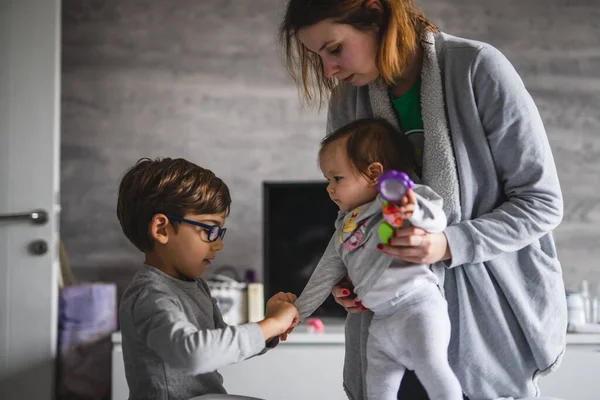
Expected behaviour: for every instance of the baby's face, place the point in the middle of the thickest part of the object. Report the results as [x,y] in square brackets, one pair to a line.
[347,188]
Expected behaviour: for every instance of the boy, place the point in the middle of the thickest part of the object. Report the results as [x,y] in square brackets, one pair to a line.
[174,338]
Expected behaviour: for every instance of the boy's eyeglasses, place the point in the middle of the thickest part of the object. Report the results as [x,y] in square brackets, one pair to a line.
[214,231]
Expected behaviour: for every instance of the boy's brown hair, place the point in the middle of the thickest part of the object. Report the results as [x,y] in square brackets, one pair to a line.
[374,140]
[166,186]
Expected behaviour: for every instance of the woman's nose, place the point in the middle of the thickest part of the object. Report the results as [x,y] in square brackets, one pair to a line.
[330,68]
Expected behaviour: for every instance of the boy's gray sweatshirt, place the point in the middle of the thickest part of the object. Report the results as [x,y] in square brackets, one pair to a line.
[174,338]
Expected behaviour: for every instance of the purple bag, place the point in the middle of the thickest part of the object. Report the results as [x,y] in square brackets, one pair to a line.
[87,318]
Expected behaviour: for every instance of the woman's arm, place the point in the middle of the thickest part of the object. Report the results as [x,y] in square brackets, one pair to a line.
[525,169]
[524,166]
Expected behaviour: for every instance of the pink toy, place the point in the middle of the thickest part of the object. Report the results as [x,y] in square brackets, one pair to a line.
[315,325]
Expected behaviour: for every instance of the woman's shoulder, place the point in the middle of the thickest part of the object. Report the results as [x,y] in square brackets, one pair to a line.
[347,103]
[343,95]
[445,42]
[453,48]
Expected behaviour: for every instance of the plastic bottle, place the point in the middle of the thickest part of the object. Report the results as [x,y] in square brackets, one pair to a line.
[575,309]
[587,304]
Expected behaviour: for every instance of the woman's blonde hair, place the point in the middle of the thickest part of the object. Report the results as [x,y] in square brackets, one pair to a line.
[399,22]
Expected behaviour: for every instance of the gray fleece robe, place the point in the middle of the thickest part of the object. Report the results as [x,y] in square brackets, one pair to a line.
[487,154]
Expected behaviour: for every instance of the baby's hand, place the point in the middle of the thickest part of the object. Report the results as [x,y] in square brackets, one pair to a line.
[287,297]
[406,206]
[281,311]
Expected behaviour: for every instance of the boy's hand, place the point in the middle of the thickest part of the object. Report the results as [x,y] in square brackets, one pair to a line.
[272,303]
[285,334]
[406,206]
[281,315]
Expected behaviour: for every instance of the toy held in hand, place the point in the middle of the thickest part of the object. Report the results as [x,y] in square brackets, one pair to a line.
[392,187]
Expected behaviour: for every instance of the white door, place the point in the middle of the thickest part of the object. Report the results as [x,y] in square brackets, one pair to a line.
[29,181]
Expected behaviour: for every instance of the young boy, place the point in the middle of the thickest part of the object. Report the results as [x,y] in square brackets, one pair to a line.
[174,338]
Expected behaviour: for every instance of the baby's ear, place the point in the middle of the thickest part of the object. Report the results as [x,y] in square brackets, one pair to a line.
[374,172]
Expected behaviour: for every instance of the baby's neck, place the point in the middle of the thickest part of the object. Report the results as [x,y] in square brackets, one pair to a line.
[366,202]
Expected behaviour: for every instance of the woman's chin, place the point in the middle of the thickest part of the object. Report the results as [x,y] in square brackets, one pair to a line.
[360,81]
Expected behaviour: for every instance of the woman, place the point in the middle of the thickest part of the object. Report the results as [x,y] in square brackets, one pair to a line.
[482,147]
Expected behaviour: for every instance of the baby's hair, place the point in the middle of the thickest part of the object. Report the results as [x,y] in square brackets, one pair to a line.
[168,186]
[374,140]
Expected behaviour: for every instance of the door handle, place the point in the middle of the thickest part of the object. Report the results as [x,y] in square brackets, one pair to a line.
[37,217]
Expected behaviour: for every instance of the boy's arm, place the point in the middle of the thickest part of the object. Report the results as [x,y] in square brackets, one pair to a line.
[161,323]
[220,323]
[428,213]
[328,272]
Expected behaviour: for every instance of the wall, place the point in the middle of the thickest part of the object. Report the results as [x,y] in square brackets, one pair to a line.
[202,80]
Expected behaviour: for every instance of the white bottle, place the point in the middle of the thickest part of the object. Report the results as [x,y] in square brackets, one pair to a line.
[575,310]
[587,304]
[595,304]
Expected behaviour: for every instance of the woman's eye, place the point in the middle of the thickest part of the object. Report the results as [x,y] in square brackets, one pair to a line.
[336,50]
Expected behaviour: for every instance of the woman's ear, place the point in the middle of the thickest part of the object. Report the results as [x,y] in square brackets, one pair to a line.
[374,172]
[158,228]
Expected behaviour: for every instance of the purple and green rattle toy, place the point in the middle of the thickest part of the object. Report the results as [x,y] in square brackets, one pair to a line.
[392,186]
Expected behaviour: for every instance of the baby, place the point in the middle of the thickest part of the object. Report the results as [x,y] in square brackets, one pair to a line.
[410,328]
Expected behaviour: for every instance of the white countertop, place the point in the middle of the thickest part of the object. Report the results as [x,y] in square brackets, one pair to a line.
[334,334]
[583,338]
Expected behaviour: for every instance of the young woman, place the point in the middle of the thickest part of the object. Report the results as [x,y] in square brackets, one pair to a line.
[482,146]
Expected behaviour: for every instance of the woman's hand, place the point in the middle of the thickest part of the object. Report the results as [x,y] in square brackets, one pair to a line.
[414,245]
[344,296]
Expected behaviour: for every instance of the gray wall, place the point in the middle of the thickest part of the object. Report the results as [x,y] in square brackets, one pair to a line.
[202,80]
